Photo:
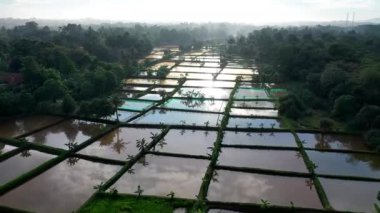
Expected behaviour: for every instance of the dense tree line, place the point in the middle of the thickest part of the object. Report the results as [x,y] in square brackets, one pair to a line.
[330,69]
[65,70]
[75,68]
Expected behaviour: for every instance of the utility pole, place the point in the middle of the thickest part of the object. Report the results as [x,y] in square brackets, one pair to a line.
[353,19]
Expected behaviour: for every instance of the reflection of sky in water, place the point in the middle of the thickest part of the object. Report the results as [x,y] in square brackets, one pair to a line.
[195,104]
[346,164]
[5,148]
[20,164]
[345,195]
[152,97]
[266,139]
[253,122]
[282,160]
[247,187]
[119,143]
[191,142]
[164,174]
[63,188]
[254,112]
[176,117]
[208,92]
[151,81]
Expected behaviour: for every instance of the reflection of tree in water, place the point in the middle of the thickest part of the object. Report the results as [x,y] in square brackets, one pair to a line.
[373,160]
[193,103]
[143,161]
[71,161]
[25,153]
[89,128]
[324,141]
[119,145]
[309,183]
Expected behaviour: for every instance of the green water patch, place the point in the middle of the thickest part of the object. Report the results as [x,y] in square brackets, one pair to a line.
[251,93]
[122,115]
[254,104]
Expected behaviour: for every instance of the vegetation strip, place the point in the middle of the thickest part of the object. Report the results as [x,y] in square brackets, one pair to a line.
[99,159]
[132,161]
[201,198]
[264,171]
[179,155]
[343,151]
[10,154]
[260,147]
[346,177]
[252,207]
[311,167]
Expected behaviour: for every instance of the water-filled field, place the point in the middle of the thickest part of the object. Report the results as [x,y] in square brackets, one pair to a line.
[208,132]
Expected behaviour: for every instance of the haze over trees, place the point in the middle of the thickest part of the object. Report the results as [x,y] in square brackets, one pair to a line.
[74,67]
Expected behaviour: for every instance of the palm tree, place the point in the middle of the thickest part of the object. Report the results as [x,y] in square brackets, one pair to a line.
[171,195]
[141,144]
[116,101]
[139,191]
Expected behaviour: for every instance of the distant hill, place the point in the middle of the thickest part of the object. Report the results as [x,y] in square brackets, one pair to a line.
[12,22]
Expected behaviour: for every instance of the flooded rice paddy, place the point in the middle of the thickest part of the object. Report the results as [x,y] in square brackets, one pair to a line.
[260,160]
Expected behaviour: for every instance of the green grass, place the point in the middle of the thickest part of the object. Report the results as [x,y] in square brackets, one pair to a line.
[105,202]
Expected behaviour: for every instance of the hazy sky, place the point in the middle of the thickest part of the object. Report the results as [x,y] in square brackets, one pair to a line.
[246,11]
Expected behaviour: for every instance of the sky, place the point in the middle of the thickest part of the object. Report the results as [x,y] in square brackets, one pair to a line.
[234,11]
